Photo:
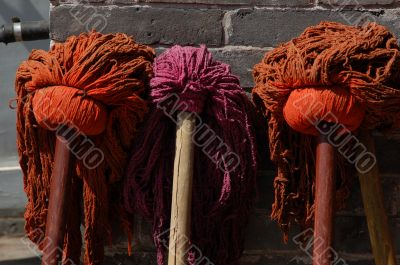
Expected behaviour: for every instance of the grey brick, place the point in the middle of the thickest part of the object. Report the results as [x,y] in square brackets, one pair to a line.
[267,27]
[12,226]
[58,2]
[148,25]
[357,3]
[282,3]
[242,61]
[122,2]
[237,2]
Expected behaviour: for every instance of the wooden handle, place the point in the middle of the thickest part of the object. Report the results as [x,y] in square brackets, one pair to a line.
[55,225]
[372,194]
[182,190]
[324,198]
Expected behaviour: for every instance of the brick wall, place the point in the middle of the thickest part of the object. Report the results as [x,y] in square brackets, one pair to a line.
[239,32]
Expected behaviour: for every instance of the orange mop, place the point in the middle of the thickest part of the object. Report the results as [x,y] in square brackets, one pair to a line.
[78,107]
[318,92]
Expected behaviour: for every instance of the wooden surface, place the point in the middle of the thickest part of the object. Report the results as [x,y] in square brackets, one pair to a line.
[181,191]
[324,198]
[372,194]
[55,225]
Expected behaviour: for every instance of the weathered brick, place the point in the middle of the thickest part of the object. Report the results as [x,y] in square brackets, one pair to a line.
[280,3]
[355,3]
[242,61]
[12,196]
[264,242]
[238,2]
[11,226]
[58,2]
[258,258]
[122,2]
[267,27]
[148,25]
[351,234]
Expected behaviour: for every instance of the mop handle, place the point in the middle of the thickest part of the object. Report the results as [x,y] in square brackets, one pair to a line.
[372,194]
[182,190]
[56,215]
[324,198]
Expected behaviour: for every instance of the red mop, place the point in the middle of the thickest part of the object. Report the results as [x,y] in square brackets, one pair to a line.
[87,91]
[331,77]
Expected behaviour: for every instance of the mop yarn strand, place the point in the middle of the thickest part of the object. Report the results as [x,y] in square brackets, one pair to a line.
[93,84]
[333,73]
[188,79]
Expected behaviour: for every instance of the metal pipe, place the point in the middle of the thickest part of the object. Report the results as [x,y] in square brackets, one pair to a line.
[24,31]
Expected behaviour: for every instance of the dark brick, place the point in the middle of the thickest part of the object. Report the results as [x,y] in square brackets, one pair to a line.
[268,28]
[12,226]
[142,238]
[237,2]
[387,156]
[351,234]
[354,205]
[138,257]
[280,258]
[242,61]
[252,258]
[356,3]
[58,2]
[282,3]
[264,244]
[387,151]
[122,2]
[12,196]
[148,25]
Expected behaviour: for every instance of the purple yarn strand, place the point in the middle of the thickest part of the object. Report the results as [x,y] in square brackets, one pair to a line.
[222,199]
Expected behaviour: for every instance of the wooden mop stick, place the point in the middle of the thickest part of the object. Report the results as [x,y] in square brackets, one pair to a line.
[324,198]
[56,215]
[182,190]
[372,194]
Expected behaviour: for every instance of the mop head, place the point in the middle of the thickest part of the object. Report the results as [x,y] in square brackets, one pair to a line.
[94,84]
[334,73]
[188,79]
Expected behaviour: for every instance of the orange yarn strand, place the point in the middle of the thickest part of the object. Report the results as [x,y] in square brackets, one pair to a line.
[330,70]
[93,83]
